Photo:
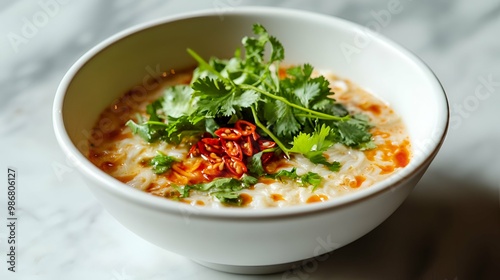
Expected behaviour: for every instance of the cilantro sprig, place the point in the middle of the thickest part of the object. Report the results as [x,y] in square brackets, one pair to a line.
[224,189]
[284,109]
[161,162]
[308,179]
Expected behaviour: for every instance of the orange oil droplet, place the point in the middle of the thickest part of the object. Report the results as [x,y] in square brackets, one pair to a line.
[359,181]
[317,198]
[246,199]
[277,197]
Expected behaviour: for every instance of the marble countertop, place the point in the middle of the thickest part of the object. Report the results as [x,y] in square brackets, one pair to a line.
[449,227]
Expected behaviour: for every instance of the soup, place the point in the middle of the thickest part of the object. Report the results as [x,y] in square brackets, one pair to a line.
[248,132]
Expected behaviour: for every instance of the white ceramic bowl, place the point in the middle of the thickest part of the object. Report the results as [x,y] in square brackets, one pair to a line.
[243,240]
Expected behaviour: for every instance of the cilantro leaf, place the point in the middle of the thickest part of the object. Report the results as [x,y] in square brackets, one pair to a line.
[308,179]
[306,143]
[281,118]
[307,92]
[351,135]
[255,46]
[291,174]
[313,145]
[184,191]
[300,73]
[178,128]
[311,178]
[278,52]
[329,106]
[209,88]
[229,198]
[307,89]
[152,109]
[225,189]
[177,101]
[366,146]
[248,180]
[153,129]
[354,132]
[143,130]
[161,162]
[226,184]
[203,71]
[319,158]
[254,164]
[218,100]
[211,126]
[149,131]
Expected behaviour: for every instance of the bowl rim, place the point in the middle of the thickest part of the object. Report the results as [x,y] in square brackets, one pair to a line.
[136,196]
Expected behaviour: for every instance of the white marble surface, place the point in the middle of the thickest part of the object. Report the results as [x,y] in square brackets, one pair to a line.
[449,228]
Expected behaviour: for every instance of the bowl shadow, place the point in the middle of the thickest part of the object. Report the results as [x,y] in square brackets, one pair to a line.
[447,229]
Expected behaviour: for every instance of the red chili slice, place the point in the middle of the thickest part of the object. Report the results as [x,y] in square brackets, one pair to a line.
[194,152]
[206,135]
[266,144]
[246,145]
[212,145]
[228,133]
[214,169]
[246,128]
[234,165]
[201,148]
[266,157]
[211,141]
[255,136]
[232,149]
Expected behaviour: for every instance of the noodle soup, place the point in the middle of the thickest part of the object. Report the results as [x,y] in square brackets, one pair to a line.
[127,157]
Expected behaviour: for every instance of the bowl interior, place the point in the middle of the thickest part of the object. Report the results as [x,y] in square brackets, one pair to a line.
[135,57]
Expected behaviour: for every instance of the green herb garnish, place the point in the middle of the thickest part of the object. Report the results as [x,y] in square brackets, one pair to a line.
[308,179]
[224,189]
[161,162]
[295,110]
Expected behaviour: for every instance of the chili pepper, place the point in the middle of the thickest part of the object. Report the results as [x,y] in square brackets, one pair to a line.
[212,145]
[266,144]
[228,133]
[228,148]
[213,158]
[244,127]
[214,169]
[234,165]
[194,151]
[255,136]
[201,148]
[266,157]
[246,145]
[206,135]
[232,149]
[211,141]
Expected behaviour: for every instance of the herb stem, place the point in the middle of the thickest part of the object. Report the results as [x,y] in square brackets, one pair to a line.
[209,67]
[318,117]
[280,98]
[155,123]
[268,132]
[260,79]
